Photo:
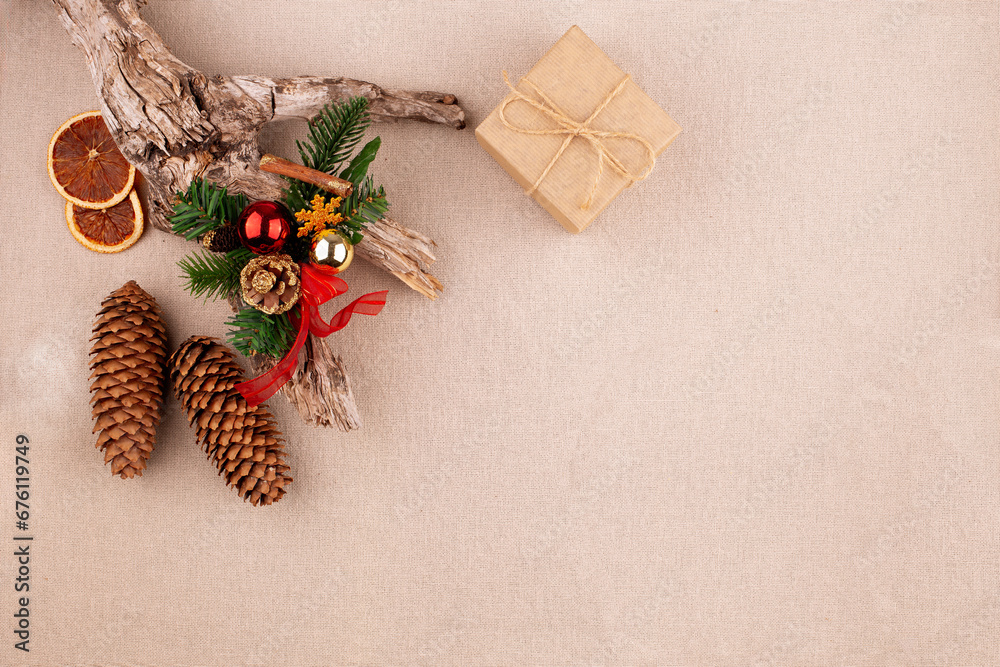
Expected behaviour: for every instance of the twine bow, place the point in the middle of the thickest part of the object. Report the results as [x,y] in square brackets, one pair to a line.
[573,129]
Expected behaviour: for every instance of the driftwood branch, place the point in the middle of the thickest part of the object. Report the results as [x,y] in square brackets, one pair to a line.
[322,376]
[304,97]
[174,124]
[411,266]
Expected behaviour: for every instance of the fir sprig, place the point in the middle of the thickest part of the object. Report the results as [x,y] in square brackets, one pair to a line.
[333,135]
[253,331]
[365,205]
[204,207]
[212,275]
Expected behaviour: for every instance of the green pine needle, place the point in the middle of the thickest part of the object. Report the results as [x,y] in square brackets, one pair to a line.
[255,332]
[334,133]
[212,275]
[365,206]
[205,207]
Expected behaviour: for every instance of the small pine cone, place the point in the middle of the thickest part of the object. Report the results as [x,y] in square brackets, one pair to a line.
[223,239]
[242,441]
[270,283]
[128,361]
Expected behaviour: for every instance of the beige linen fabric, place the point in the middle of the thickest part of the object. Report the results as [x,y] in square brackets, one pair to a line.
[749,417]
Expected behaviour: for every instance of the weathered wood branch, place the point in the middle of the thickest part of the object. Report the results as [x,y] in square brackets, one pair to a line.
[320,389]
[410,267]
[175,124]
[304,96]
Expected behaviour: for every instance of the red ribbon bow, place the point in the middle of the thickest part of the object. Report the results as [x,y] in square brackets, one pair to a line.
[319,285]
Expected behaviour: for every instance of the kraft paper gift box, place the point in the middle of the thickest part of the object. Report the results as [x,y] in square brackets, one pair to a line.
[573,106]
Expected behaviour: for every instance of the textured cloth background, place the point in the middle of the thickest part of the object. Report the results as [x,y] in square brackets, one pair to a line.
[748,417]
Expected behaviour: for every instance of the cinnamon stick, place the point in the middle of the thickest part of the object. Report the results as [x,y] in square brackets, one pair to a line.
[276,165]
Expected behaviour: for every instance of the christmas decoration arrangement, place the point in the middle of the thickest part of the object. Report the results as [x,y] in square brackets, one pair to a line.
[240,439]
[576,131]
[102,208]
[177,125]
[128,361]
[283,257]
[276,236]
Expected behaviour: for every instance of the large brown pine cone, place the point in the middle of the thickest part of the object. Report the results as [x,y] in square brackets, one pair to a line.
[127,359]
[242,441]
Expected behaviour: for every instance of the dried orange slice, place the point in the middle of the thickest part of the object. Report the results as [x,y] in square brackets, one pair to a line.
[109,229]
[86,166]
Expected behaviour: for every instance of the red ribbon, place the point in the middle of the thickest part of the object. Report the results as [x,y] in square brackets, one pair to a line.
[319,285]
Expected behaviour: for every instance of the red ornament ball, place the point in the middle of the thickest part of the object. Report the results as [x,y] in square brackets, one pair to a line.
[264,226]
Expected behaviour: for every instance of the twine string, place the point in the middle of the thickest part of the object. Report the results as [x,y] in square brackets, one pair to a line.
[573,129]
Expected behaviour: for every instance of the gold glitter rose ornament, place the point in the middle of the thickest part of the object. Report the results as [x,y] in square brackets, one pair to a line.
[270,283]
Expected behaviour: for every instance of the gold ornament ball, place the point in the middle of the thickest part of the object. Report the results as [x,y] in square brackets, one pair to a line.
[332,248]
